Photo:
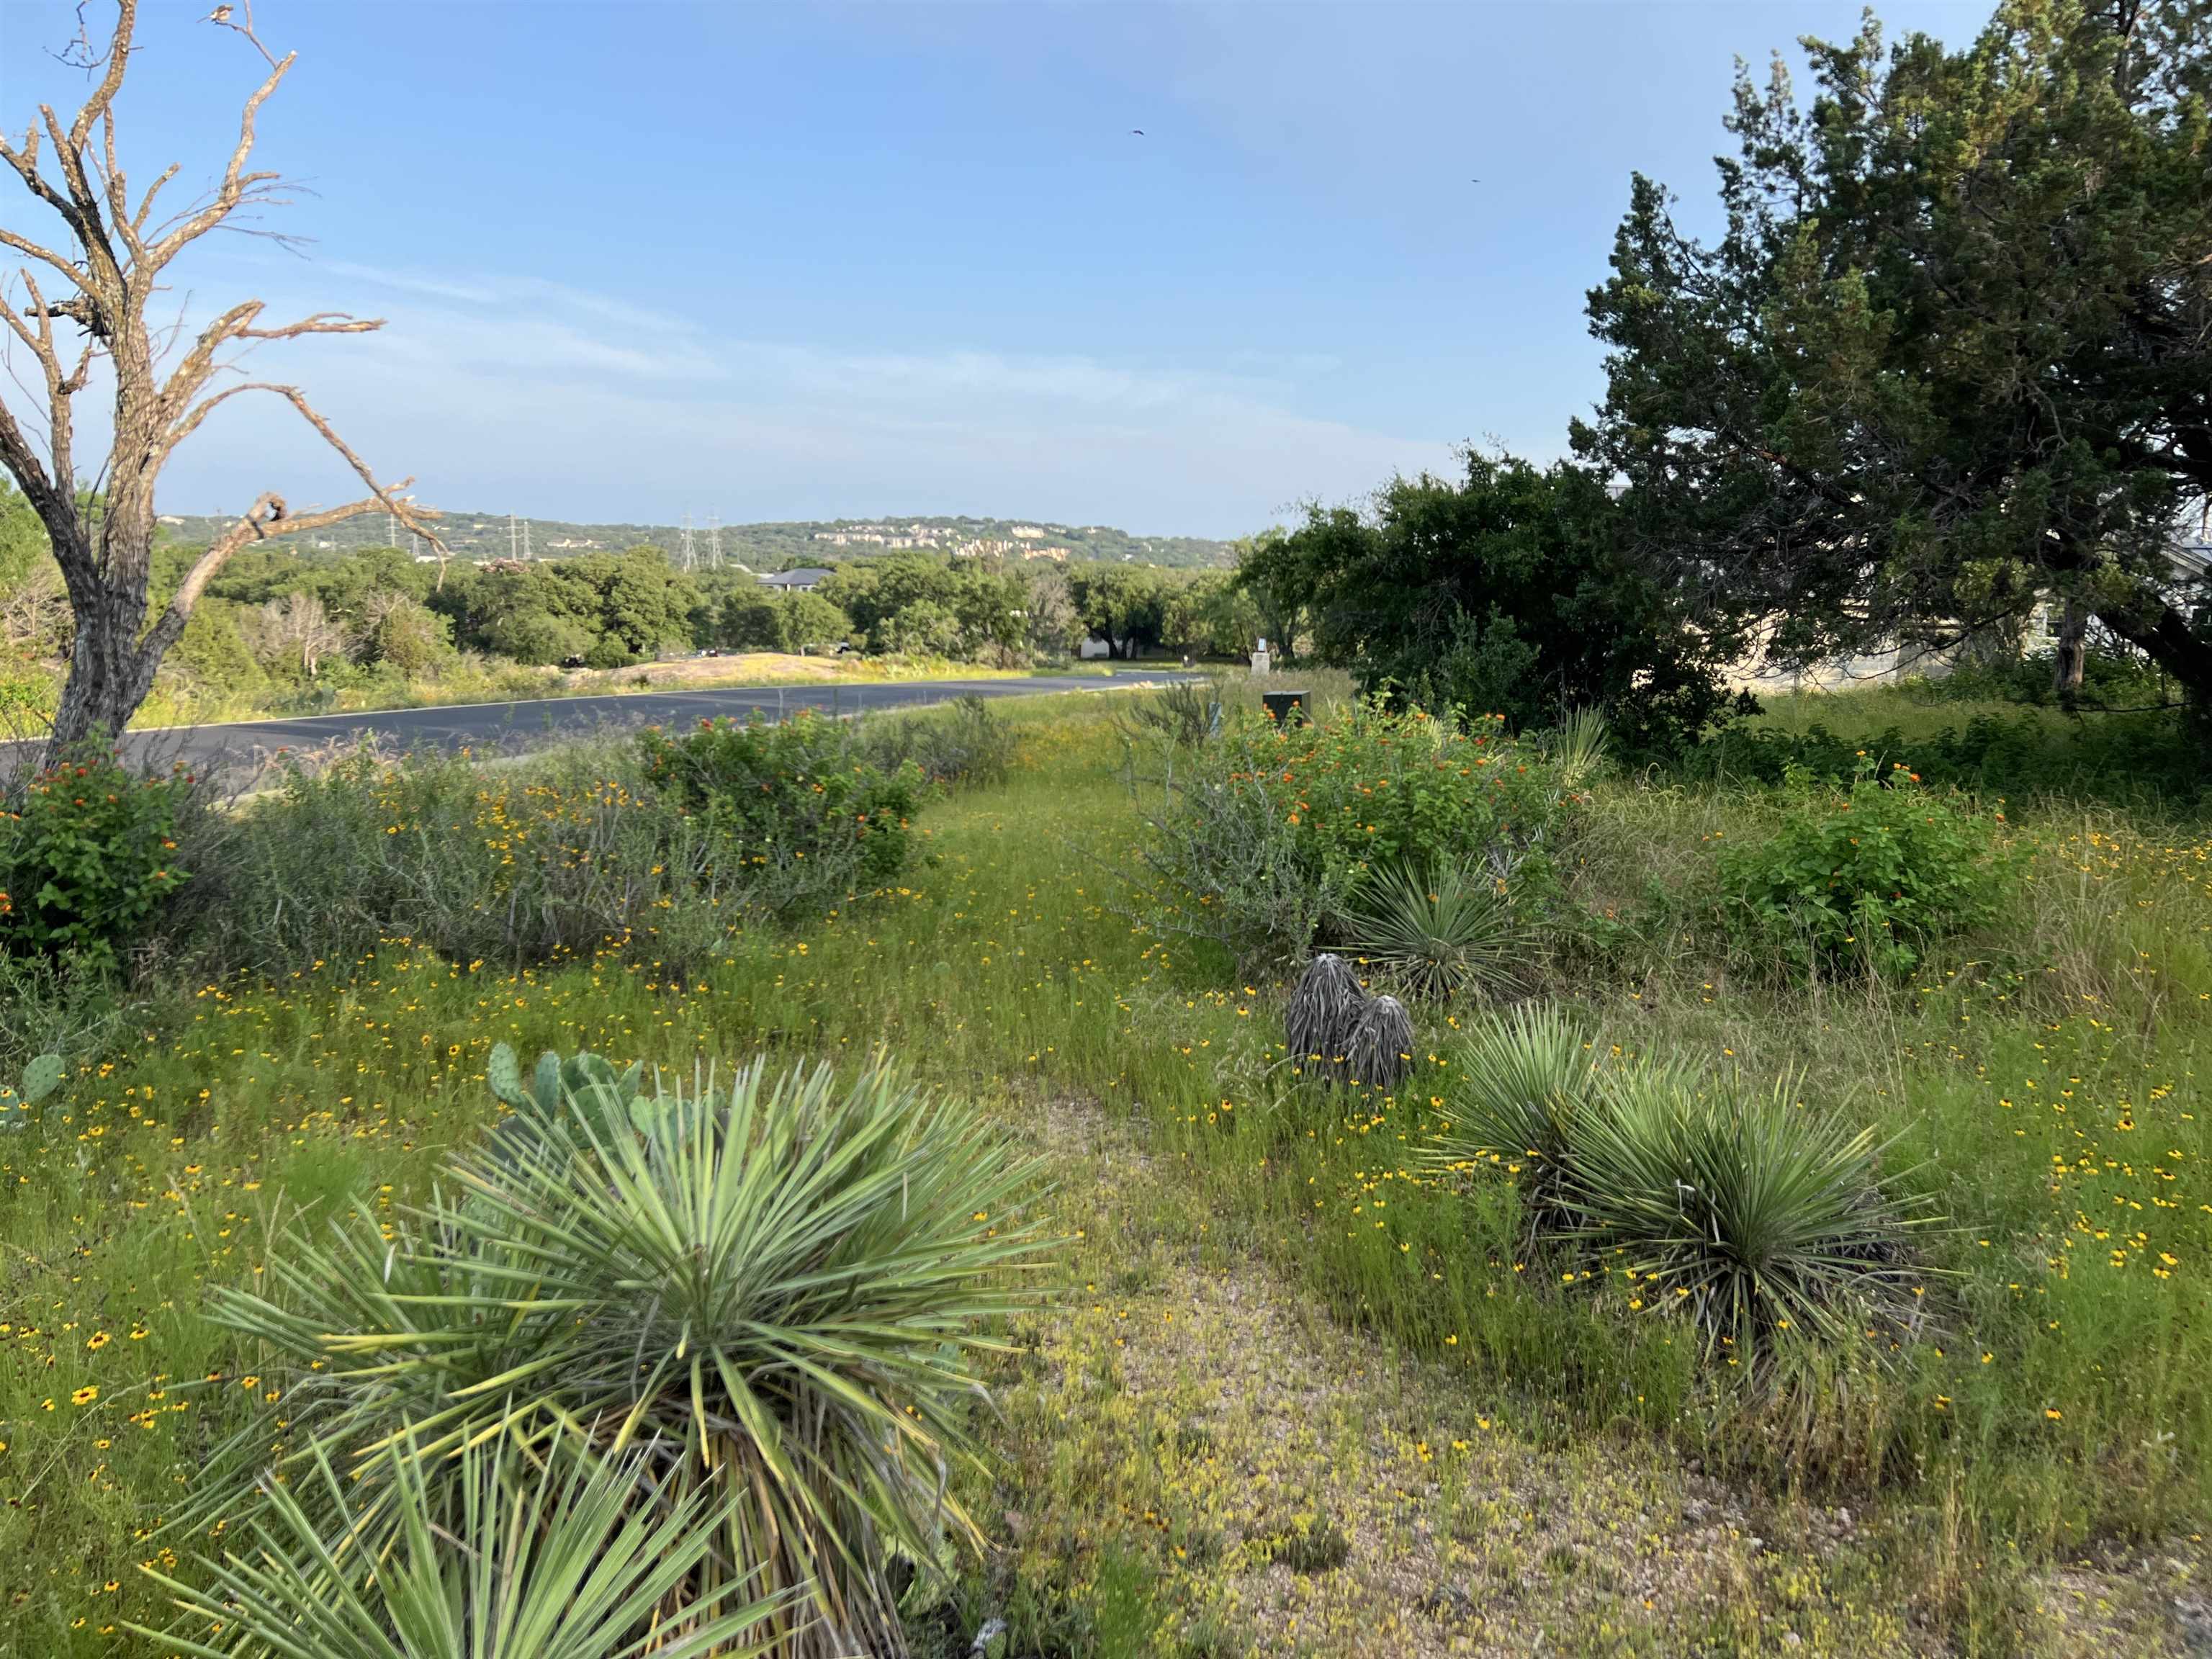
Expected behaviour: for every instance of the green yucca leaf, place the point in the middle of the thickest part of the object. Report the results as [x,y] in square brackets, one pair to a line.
[1444,932]
[1758,1218]
[781,1283]
[489,1557]
[1521,1076]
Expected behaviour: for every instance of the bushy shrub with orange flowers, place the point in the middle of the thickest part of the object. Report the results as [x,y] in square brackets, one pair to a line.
[88,854]
[1261,839]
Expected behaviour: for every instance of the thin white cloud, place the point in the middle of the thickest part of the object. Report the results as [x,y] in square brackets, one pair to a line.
[503,393]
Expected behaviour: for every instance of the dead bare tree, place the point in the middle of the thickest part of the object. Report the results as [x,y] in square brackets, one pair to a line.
[112,261]
[34,613]
[300,624]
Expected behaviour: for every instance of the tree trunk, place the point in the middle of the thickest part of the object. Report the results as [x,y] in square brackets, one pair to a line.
[108,676]
[2165,635]
[2066,671]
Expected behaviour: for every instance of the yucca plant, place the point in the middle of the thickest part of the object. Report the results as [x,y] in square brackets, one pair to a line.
[503,1560]
[778,1285]
[1577,749]
[1754,1217]
[1521,1075]
[1448,931]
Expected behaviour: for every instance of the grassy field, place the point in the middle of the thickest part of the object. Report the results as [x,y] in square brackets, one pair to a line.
[1290,1394]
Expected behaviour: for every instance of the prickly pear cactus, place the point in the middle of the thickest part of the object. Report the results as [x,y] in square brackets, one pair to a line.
[504,1073]
[40,1078]
[562,1093]
[545,1083]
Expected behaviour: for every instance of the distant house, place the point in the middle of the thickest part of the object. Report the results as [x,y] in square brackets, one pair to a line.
[796,582]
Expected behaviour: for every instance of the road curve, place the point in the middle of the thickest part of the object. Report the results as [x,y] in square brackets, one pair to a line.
[204,749]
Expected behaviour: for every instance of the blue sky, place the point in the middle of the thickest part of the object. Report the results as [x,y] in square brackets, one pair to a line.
[639,257]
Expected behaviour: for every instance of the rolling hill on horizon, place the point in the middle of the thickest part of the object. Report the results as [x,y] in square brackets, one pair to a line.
[772,545]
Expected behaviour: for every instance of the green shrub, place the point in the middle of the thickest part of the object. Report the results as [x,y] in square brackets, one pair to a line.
[1441,932]
[55,1004]
[490,1558]
[1261,839]
[2118,679]
[779,1283]
[567,854]
[2150,758]
[775,795]
[1866,879]
[961,743]
[559,856]
[1760,1222]
[87,855]
[1182,712]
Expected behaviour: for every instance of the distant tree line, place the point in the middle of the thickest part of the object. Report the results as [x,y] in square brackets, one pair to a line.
[277,623]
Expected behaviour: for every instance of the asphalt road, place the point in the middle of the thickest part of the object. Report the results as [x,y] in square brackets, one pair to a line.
[513,725]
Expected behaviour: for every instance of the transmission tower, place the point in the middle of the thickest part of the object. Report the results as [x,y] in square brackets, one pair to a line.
[713,541]
[688,555]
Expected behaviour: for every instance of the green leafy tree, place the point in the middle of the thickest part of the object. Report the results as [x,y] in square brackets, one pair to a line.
[1271,576]
[635,602]
[1508,593]
[1118,603]
[401,630]
[211,657]
[810,619]
[924,629]
[750,622]
[1050,626]
[22,537]
[761,620]
[1205,612]
[1952,354]
[990,602]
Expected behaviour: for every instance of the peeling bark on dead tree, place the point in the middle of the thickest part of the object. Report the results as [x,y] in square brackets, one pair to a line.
[111,260]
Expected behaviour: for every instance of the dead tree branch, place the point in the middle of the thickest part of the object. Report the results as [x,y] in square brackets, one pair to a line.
[112,252]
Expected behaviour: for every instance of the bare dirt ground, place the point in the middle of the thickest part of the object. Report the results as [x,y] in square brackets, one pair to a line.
[1291,1487]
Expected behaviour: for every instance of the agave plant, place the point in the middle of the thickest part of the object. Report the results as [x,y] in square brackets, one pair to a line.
[500,1562]
[1753,1216]
[778,1285]
[1444,932]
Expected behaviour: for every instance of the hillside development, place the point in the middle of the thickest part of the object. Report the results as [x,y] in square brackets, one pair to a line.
[763,547]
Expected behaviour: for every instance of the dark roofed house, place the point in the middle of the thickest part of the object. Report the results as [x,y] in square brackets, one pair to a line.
[795,581]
